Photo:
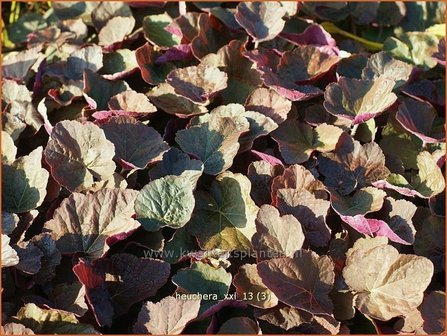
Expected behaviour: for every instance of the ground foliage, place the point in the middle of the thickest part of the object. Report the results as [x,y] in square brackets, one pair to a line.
[283,160]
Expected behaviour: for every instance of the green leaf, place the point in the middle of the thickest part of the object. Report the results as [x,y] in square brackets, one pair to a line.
[364,201]
[180,243]
[177,163]
[214,140]
[51,321]
[297,141]
[415,47]
[98,90]
[26,24]
[24,183]
[167,201]
[224,217]
[119,62]
[203,279]
[259,124]
[154,27]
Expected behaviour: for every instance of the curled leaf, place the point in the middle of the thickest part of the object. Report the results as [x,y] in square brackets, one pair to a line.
[261,175]
[269,103]
[132,101]
[359,100]
[420,118]
[89,57]
[382,64]
[212,35]
[297,177]
[305,64]
[136,145]
[151,72]
[262,20]
[198,83]
[259,124]
[242,77]
[310,211]
[165,98]
[98,90]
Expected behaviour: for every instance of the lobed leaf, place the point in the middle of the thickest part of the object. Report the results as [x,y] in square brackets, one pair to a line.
[136,145]
[224,217]
[79,153]
[197,83]
[83,223]
[262,20]
[167,201]
[303,281]
[386,282]
[297,141]
[166,317]
[24,183]
[359,100]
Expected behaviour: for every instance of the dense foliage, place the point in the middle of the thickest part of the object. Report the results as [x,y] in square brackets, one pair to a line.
[273,167]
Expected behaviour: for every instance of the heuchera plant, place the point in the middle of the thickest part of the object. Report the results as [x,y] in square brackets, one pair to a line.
[223,167]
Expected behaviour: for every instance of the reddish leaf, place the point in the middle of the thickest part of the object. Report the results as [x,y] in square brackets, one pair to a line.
[420,118]
[303,281]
